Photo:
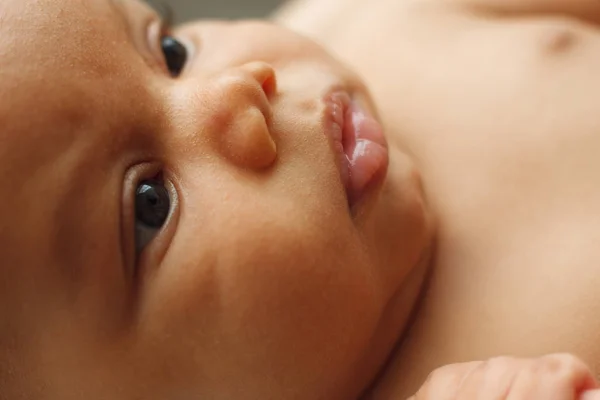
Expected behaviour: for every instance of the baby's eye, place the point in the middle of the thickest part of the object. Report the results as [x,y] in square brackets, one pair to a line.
[152,207]
[175,54]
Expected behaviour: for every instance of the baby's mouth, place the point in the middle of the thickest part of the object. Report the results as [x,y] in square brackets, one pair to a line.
[359,144]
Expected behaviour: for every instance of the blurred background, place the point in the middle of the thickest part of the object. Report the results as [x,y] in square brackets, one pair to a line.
[190,9]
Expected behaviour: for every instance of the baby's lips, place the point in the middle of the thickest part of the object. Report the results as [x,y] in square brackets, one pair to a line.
[368,155]
[367,162]
[368,128]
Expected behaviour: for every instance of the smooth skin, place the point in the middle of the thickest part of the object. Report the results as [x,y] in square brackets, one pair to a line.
[498,102]
[262,284]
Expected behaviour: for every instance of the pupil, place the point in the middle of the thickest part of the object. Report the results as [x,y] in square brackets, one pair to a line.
[152,204]
[175,54]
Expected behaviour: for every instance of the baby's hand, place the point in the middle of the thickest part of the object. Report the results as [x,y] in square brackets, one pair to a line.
[553,377]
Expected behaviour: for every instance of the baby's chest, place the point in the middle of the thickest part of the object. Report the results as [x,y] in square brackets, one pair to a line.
[499,114]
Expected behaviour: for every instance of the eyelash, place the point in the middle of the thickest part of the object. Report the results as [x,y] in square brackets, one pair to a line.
[167,19]
[166,13]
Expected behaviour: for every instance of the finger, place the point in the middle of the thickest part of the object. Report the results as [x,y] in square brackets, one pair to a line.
[443,383]
[553,377]
[493,377]
[590,395]
[569,371]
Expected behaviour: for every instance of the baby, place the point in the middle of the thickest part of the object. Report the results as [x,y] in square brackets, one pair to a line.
[207,212]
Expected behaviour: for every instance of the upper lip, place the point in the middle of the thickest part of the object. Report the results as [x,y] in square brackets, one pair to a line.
[337,103]
[357,141]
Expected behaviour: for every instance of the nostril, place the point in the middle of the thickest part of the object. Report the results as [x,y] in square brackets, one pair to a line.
[270,86]
[265,75]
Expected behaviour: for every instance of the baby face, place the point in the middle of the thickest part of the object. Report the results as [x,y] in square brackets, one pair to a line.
[204,213]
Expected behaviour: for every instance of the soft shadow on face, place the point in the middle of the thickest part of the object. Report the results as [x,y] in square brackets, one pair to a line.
[260,284]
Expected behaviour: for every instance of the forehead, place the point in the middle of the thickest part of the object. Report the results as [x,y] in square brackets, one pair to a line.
[48,45]
[60,64]
[38,27]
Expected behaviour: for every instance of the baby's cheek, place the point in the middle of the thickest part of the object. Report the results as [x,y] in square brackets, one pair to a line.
[178,312]
[287,300]
[302,305]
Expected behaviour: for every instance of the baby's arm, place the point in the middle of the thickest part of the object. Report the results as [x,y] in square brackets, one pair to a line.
[553,377]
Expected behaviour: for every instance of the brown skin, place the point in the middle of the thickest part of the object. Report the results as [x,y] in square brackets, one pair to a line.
[498,102]
[261,285]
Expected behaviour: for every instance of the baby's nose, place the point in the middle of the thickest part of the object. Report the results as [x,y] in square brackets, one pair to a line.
[241,115]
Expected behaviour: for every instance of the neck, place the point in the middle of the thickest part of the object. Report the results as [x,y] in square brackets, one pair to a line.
[405,242]
[383,386]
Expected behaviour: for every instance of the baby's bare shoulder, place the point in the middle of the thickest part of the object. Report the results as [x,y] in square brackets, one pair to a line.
[588,10]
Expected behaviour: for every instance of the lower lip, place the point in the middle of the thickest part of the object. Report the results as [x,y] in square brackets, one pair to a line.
[360,145]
